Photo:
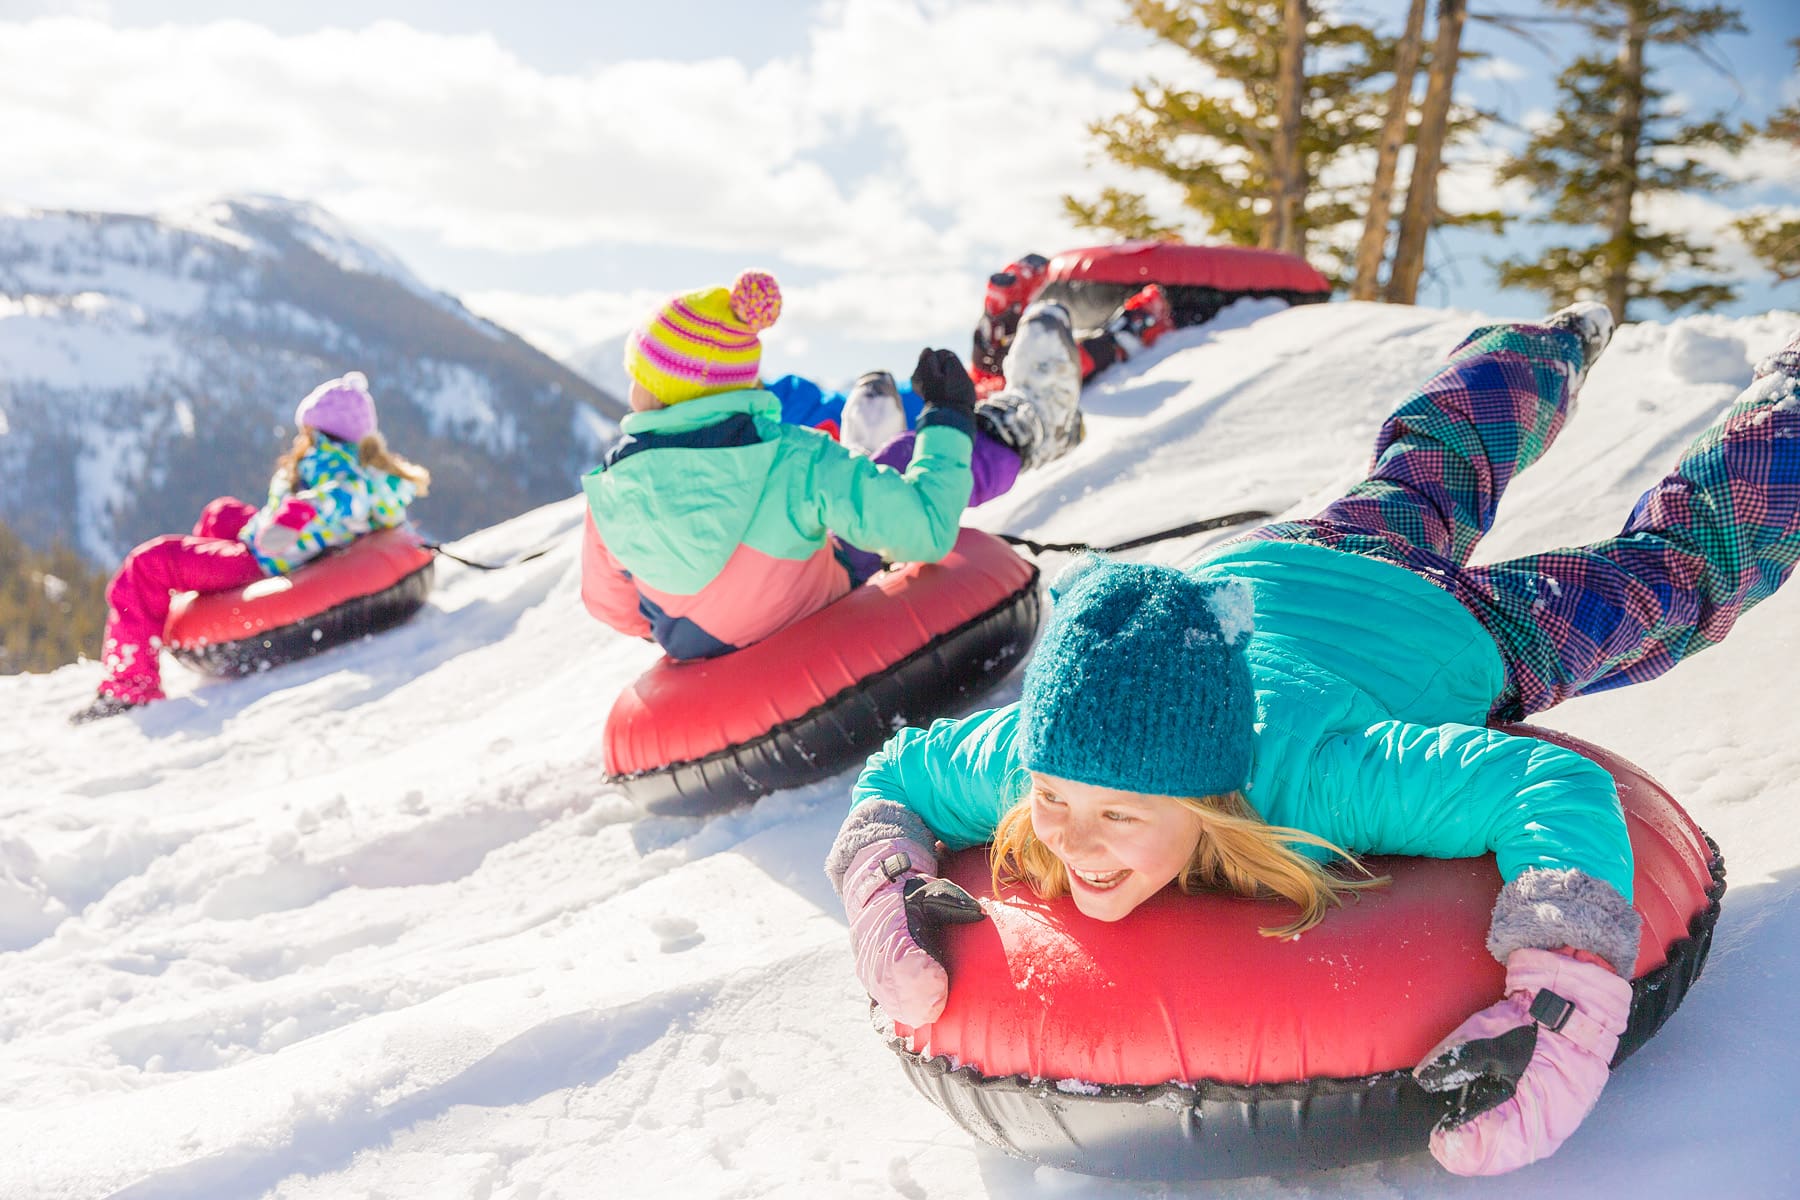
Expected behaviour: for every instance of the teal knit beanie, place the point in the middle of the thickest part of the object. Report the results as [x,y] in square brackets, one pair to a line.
[1140,682]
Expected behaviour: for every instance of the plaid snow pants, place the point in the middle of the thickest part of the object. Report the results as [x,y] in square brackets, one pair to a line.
[1714,537]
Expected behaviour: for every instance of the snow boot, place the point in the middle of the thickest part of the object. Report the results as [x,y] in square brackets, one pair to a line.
[873,415]
[1008,292]
[1039,413]
[1592,322]
[1143,318]
[100,707]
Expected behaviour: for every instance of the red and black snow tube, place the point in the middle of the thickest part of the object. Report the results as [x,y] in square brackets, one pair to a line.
[909,646]
[1179,1043]
[374,583]
[1199,280]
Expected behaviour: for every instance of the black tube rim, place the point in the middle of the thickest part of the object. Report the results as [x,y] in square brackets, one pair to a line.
[1211,1129]
[346,621]
[852,723]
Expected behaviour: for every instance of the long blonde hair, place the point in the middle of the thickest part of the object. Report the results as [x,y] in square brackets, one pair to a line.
[1237,852]
[372,451]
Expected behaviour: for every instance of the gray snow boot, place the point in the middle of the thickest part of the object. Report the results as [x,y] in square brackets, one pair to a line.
[1592,322]
[873,415]
[1038,413]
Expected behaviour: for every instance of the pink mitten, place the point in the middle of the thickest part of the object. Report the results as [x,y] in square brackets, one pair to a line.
[895,908]
[1529,1069]
[281,534]
[293,513]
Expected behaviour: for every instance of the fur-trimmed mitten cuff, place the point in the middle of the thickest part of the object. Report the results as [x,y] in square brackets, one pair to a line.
[875,821]
[1546,909]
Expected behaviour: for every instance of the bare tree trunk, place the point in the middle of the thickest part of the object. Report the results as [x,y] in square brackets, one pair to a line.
[1428,156]
[1373,247]
[1630,131]
[1289,175]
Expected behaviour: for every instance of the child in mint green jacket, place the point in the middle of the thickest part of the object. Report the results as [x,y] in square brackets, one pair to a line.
[712,524]
[1322,688]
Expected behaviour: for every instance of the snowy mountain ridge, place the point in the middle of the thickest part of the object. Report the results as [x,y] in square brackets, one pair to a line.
[150,363]
[369,925]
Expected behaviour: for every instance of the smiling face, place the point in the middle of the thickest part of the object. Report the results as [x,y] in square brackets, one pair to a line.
[1120,848]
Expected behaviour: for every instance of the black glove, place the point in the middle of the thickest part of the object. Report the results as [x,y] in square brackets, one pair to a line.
[934,903]
[942,382]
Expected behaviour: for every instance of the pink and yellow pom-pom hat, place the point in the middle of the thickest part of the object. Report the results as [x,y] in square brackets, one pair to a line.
[701,343]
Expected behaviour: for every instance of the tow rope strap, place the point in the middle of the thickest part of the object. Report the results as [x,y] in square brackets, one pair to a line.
[1192,527]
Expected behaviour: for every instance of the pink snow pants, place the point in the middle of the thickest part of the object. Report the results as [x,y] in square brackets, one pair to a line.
[210,559]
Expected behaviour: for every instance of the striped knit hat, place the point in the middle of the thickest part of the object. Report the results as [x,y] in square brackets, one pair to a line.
[704,342]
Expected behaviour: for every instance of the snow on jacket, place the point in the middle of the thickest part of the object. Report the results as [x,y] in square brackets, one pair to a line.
[339,500]
[1372,687]
[709,522]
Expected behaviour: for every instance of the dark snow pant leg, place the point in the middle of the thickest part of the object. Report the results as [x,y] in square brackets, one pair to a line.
[1715,537]
[993,464]
[1446,455]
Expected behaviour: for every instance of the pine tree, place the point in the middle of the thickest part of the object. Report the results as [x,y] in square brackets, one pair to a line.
[1772,239]
[1372,249]
[1228,154]
[1614,143]
[1421,213]
[52,606]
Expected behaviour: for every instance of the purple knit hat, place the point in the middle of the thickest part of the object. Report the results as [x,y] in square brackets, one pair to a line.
[342,408]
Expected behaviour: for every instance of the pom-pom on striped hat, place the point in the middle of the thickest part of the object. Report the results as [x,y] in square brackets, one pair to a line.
[704,342]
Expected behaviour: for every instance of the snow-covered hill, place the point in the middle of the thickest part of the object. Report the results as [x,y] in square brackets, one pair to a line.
[148,364]
[369,926]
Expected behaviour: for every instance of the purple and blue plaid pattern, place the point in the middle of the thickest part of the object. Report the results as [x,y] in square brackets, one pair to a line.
[1710,540]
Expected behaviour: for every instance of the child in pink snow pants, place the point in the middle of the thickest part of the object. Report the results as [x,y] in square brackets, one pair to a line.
[337,482]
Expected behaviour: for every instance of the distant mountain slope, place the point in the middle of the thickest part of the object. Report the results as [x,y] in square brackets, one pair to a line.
[150,363]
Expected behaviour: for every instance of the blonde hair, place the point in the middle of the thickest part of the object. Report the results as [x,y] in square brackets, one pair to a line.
[1237,852]
[372,451]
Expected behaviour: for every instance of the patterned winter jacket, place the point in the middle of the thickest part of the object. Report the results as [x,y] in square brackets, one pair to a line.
[339,500]
[709,522]
[1372,691]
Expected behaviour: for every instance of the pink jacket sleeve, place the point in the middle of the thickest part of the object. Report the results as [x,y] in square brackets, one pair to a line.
[606,589]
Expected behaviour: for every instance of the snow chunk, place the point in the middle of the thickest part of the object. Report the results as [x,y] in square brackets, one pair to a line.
[1696,357]
[1233,607]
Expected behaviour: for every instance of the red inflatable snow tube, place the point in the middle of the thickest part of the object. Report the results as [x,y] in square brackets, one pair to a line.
[374,583]
[1199,280]
[1179,1043]
[909,646]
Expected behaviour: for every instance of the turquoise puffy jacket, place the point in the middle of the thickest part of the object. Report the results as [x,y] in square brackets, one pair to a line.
[1372,687]
[710,521]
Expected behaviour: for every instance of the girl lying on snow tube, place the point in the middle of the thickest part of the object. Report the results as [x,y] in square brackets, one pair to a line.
[337,482]
[1320,687]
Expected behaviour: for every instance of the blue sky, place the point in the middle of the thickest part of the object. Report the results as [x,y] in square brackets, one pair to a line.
[560,166]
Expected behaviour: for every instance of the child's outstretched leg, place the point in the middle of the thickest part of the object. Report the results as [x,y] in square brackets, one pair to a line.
[1445,456]
[137,602]
[1713,538]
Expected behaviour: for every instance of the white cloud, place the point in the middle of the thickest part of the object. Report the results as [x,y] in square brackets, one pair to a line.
[924,134]
[1500,70]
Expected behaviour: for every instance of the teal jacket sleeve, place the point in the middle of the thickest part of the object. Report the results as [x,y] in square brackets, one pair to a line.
[960,776]
[904,518]
[1456,791]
